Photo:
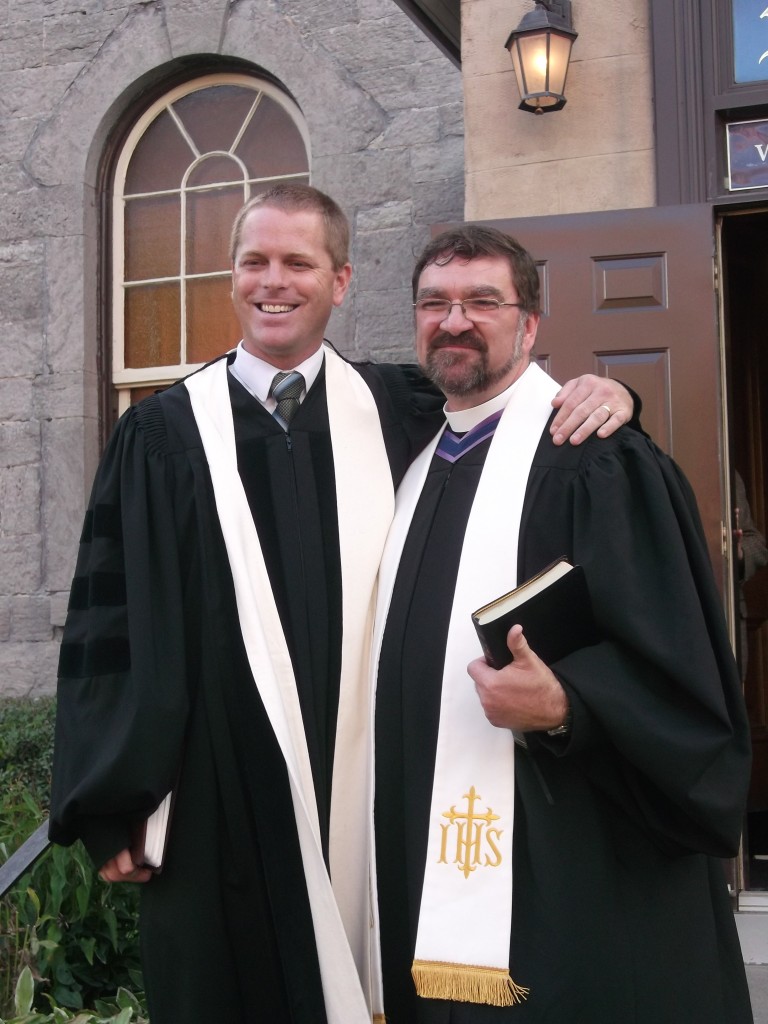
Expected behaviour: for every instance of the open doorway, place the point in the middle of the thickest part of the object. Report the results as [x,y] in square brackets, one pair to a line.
[744,261]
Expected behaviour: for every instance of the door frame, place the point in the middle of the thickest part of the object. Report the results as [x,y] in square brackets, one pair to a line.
[749,900]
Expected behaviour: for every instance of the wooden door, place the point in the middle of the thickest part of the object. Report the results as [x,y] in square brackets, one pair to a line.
[630,294]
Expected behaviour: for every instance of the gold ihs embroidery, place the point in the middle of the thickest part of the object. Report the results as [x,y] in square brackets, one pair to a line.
[476,841]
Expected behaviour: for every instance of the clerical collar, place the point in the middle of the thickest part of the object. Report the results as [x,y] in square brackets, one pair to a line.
[461,420]
[256,375]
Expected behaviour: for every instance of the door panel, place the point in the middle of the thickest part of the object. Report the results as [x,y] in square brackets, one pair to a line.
[630,294]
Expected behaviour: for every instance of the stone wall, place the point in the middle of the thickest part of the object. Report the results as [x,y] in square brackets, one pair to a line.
[384,111]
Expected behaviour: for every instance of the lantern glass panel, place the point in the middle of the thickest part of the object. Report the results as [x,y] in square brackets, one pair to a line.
[531,63]
[559,55]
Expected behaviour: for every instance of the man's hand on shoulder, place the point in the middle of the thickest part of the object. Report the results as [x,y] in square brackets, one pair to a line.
[122,869]
[588,404]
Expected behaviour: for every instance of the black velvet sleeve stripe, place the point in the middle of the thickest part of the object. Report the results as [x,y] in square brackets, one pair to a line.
[86,536]
[99,588]
[102,656]
[106,522]
[101,521]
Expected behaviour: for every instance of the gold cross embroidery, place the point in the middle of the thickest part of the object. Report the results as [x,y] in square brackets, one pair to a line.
[473,836]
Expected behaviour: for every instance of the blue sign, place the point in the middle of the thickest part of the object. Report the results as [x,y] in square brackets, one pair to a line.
[748,155]
[750,40]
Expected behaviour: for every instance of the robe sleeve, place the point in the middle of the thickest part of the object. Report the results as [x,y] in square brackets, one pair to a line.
[410,410]
[122,704]
[659,718]
[417,402]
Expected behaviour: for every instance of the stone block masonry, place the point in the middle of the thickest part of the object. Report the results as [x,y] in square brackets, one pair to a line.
[383,109]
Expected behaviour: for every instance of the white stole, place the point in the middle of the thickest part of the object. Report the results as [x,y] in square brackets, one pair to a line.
[462,948]
[365,501]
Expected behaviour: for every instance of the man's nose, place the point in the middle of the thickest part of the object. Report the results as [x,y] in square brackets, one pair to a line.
[275,274]
[456,320]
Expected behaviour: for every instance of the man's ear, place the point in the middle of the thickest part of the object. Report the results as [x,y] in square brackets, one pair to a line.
[531,328]
[341,282]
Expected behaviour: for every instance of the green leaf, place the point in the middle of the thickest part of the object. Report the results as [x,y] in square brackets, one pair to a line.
[35,900]
[111,922]
[126,999]
[47,944]
[137,978]
[25,992]
[63,974]
[67,995]
[88,944]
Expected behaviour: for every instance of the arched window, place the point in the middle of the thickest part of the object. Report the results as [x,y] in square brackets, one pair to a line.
[189,163]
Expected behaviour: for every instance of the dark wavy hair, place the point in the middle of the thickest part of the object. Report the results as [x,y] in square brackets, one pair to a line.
[470,241]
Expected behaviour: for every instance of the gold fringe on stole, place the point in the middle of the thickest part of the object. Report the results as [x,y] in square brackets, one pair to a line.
[379,1018]
[466,983]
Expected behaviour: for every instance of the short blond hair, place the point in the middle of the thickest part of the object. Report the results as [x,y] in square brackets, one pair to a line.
[292,197]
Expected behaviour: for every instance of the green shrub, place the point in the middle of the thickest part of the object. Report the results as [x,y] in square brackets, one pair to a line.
[26,746]
[67,941]
[124,1009]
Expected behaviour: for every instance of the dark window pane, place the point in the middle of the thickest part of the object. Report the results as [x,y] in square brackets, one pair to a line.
[209,223]
[272,144]
[152,326]
[212,326]
[160,160]
[214,116]
[214,169]
[138,393]
[152,238]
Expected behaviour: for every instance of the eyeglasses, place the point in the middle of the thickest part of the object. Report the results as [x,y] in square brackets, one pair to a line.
[473,309]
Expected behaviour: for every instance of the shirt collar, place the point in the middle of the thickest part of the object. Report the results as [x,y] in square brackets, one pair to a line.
[256,375]
[462,420]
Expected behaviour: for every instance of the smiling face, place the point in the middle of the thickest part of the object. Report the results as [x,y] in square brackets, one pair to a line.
[284,285]
[472,361]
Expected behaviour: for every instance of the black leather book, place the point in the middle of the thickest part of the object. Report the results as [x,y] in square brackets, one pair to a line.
[554,609]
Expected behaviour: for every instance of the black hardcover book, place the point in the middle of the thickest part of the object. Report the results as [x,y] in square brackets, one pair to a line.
[553,608]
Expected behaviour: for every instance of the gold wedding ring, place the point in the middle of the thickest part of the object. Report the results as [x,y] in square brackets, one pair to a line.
[607,409]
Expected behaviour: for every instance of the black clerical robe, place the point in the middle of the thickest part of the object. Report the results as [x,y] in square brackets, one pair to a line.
[620,911]
[156,692]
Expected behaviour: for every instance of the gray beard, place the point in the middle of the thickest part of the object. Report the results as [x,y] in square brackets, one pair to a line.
[474,378]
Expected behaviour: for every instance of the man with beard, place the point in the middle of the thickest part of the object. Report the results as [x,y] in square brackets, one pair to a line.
[218,637]
[547,838]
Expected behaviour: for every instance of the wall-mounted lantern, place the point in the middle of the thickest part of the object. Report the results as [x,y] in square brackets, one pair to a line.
[540,48]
